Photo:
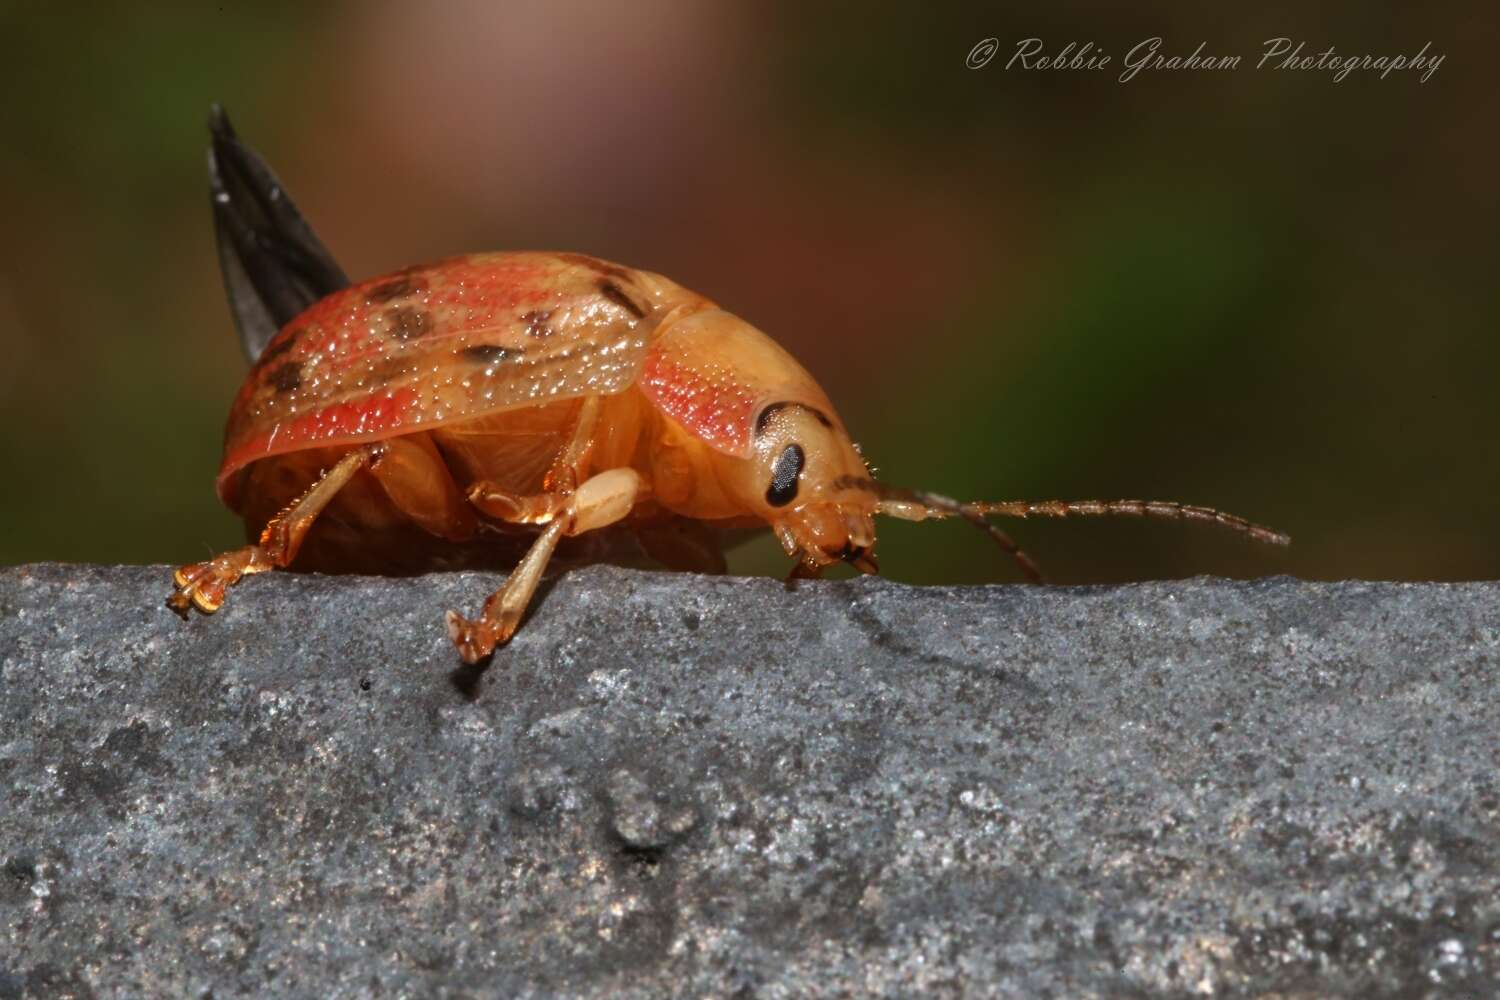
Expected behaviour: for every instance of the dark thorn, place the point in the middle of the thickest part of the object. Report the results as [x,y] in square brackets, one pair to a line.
[274,267]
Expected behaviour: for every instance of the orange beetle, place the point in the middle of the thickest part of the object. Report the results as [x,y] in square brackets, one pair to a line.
[483,409]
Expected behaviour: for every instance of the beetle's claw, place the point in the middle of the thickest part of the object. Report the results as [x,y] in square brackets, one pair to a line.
[180,603]
[475,640]
[199,585]
[204,585]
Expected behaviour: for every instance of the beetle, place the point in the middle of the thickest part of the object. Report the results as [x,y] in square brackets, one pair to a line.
[486,409]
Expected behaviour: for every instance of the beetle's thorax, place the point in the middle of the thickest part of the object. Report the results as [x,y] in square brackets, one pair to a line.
[743,431]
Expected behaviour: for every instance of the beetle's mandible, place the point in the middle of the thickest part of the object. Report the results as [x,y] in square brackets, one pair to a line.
[486,409]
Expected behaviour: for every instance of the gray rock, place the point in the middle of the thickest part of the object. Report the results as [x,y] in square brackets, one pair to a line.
[679,785]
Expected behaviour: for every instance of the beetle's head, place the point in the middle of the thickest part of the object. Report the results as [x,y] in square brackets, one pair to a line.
[797,477]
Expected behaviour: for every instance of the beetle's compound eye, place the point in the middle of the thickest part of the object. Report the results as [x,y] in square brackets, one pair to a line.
[783,488]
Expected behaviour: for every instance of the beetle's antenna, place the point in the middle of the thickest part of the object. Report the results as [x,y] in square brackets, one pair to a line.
[917,505]
[1163,509]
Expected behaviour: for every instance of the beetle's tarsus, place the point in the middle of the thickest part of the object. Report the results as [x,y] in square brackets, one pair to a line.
[189,593]
[476,641]
[205,585]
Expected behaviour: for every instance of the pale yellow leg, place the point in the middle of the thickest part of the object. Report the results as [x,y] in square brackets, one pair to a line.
[601,501]
[502,613]
[203,585]
[598,502]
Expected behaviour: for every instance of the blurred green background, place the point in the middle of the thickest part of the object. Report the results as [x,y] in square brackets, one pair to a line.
[1262,290]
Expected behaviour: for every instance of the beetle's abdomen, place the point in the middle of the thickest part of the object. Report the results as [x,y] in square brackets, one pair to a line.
[511,450]
[408,514]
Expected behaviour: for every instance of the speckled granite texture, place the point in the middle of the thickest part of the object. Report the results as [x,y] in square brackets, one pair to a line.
[674,785]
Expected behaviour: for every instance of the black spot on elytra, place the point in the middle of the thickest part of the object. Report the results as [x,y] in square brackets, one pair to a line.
[489,354]
[536,323]
[612,291]
[395,288]
[285,377]
[408,322]
[278,347]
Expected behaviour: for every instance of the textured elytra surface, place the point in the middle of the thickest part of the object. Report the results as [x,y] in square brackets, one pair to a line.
[456,339]
[680,785]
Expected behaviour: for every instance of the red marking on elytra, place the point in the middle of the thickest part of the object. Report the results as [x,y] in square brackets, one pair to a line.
[485,280]
[489,294]
[336,344]
[362,419]
[714,407]
[465,295]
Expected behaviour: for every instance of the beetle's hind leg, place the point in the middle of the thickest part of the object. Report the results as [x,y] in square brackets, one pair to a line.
[203,585]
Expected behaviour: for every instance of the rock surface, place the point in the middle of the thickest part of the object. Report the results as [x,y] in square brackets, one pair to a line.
[675,785]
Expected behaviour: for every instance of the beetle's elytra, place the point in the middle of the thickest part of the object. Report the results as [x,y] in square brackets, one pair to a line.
[481,410]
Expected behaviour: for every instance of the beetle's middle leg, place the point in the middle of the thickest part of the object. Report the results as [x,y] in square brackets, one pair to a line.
[601,501]
[565,508]
[203,585]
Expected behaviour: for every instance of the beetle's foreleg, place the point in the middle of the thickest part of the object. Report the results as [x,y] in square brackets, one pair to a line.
[602,500]
[203,585]
[598,502]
